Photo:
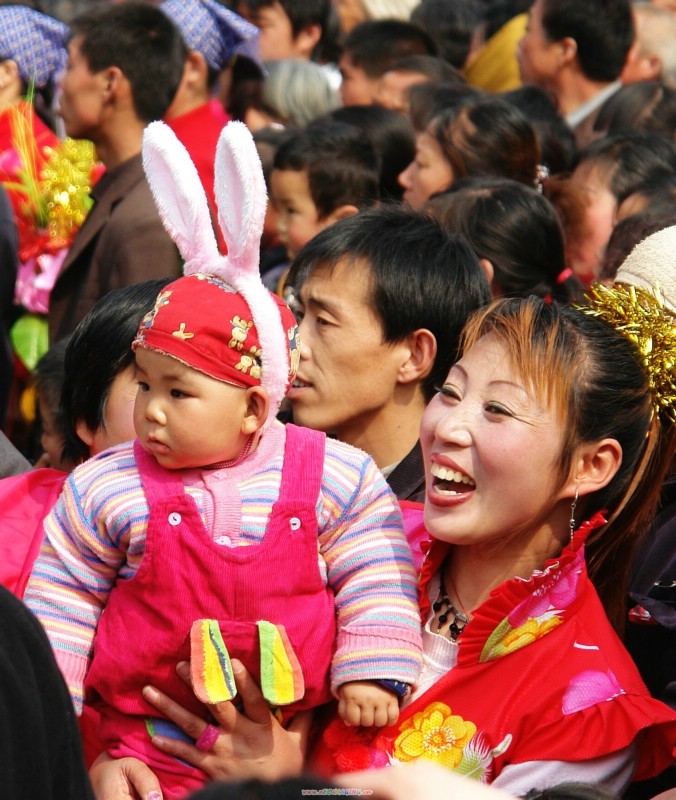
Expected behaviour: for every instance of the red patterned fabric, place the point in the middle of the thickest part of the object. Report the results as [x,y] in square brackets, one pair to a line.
[541,675]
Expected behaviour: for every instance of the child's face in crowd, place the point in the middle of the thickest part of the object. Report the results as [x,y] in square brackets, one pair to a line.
[356,88]
[297,216]
[185,418]
[347,374]
[51,439]
[428,173]
[81,94]
[276,38]
[118,415]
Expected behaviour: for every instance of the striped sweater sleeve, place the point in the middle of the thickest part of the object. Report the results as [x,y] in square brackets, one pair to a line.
[86,539]
[370,568]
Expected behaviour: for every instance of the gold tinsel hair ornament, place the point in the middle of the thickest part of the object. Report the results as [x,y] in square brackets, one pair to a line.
[641,316]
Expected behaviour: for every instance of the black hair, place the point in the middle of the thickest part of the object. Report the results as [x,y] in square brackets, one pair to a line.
[488,136]
[451,25]
[421,276]
[629,232]
[646,105]
[558,148]
[392,137]
[374,45]
[98,350]
[630,159]
[143,43]
[602,29]
[658,192]
[432,67]
[428,100]
[49,379]
[303,13]
[516,229]
[341,165]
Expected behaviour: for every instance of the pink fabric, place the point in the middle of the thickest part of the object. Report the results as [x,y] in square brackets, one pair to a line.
[25,500]
[186,576]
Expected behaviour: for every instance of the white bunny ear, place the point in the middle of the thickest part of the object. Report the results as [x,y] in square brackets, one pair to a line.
[241,196]
[180,197]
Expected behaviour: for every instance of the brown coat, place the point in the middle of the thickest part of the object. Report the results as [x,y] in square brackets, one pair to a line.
[121,242]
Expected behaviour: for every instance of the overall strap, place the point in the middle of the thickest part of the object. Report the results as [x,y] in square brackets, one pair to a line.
[303,469]
[158,483]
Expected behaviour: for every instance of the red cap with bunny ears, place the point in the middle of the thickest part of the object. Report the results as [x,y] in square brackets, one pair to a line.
[219,319]
[204,323]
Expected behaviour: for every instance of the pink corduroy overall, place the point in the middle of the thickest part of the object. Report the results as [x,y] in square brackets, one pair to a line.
[184,575]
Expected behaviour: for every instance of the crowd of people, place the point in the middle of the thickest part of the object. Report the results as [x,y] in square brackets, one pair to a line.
[338,401]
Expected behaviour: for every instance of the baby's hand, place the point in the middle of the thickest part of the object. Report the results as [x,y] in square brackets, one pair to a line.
[366,703]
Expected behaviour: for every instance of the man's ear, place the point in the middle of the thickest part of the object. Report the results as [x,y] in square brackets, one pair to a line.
[9,70]
[567,50]
[595,464]
[422,348]
[257,406]
[114,82]
[307,39]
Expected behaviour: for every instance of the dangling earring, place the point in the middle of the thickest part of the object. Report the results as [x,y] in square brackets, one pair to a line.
[572,513]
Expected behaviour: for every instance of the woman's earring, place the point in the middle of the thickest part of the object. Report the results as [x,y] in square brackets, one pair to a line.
[572,513]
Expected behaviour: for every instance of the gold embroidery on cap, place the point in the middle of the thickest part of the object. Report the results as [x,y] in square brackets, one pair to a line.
[181,333]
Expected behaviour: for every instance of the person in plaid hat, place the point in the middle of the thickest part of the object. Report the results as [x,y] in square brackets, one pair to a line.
[220,532]
[32,53]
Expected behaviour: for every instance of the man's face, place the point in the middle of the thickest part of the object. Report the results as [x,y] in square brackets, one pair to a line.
[537,54]
[347,375]
[82,95]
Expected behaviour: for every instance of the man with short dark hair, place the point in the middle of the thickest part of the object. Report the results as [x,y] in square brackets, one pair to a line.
[576,51]
[383,297]
[370,49]
[125,62]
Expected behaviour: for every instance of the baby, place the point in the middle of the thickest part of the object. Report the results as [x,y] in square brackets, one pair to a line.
[221,532]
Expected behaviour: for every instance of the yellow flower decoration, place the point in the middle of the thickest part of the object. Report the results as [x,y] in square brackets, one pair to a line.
[434,734]
[505,639]
[529,632]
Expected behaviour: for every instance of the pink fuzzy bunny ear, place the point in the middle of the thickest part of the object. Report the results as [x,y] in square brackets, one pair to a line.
[241,196]
[180,198]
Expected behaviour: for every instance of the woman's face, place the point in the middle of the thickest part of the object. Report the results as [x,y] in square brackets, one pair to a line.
[492,452]
[428,173]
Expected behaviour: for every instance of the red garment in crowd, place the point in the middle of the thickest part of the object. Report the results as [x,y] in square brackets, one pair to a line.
[541,676]
[198,130]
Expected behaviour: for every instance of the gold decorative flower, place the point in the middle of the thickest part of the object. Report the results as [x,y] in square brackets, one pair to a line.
[434,734]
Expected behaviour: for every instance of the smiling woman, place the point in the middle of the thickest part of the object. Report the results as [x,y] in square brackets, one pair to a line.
[533,430]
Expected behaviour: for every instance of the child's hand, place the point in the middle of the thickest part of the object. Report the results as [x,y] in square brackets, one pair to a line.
[366,703]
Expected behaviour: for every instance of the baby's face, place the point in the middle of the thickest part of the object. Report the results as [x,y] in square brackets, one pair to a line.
[185,418]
